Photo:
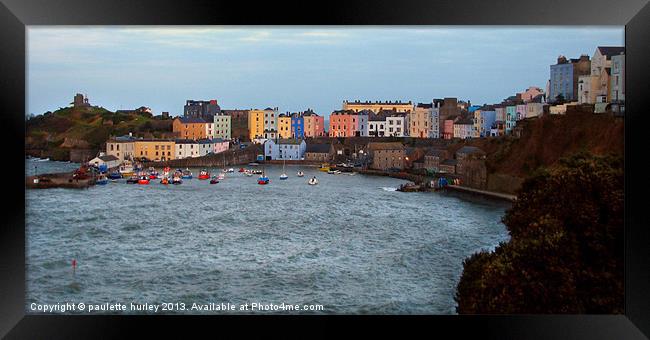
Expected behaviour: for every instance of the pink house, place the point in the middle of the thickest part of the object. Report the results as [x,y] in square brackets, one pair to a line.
[220,145]
[448,129]
[521,111]
[531,93]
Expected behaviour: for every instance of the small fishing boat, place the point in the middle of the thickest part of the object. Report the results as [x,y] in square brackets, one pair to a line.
[248,173]
[101,180]
[177,179]
[221,176]
[242,169]
[324,167]
[231,170]
[166,171]
[126,169]
[313,181]
[204,174]
[263,180]
[132,180]
[187,174]
[214,180]
[164,181]
[143,180]
[300,174]
[115,175]
[334,172]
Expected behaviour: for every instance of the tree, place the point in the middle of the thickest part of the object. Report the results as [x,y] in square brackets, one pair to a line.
[565,254]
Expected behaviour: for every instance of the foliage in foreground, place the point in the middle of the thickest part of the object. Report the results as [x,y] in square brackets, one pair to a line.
[565,254]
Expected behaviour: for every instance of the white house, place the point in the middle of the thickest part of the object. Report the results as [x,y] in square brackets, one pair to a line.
[109,160]
[185,148]
[284,149]
[396,125]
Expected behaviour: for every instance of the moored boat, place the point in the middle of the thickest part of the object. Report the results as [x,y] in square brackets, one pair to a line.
[126,169]
[143,180]
[221,176]
[214,180]
[187,174]
[164,181]
[101,180]
[204,174]
[283,176]
[313,181]
[324,167]
[300,174]
[115,175]
[241,170]
[132,180]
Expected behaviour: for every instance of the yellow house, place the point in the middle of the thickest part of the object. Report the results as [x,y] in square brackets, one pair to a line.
[284,126]
[256,124]
[154,149]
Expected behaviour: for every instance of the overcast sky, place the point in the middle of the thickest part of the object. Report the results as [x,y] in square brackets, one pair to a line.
[294,68]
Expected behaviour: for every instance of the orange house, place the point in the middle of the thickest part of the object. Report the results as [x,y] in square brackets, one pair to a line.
[343,123]
[190,128]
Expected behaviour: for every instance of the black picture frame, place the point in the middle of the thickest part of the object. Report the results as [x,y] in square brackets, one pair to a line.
[15,15]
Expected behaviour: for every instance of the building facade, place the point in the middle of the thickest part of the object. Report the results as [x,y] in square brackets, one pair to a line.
[314,124]
[190,128]
[564,77]
[222,126]
[255,124]
[348,123]
[154,149]
[617,79]
[284,126]
[205,109]
[387,156]
[297,125]
[421,121]
[186,148]
[284,149]
[121,147]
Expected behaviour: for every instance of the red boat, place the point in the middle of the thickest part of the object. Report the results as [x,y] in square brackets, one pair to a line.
[143,180]
[204,174]
[241,170]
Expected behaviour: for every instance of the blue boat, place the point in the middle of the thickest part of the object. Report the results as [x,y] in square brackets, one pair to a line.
[115,175]
[187,174]
[102,180]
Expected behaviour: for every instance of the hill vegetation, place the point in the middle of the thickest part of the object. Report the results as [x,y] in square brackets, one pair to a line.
[565,254]
[54,134]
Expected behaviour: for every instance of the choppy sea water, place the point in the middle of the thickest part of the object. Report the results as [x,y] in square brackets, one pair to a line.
[352,243]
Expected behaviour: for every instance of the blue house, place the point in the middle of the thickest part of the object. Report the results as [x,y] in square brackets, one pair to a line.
[487,119]
[298,125]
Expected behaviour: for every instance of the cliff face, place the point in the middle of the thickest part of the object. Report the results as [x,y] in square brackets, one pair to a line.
[543,142]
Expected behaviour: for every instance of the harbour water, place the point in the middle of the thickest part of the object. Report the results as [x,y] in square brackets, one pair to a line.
[352,243]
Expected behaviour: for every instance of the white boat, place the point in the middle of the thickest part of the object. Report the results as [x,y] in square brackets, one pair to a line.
[284,174]
[300,174]
[126,169]
[231,170]
[221,176]
[313,181]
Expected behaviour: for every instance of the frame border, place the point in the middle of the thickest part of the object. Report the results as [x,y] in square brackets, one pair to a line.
[15,15]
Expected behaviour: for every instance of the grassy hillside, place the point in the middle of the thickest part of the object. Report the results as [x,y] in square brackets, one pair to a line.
[53,134]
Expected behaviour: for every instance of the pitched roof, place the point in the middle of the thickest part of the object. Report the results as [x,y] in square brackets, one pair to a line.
[318,148]
[185,141]
[191,120]
[436,153]
[385,146]
[108,158]
[610,51]
[470,150]
[287,141]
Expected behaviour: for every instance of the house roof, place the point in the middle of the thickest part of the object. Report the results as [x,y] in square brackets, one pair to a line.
[284,141]
[385,146]
[425,105]
[318,148]
[191,120]
[470,150]
[449,162]
[436,153]
[108,158]
[610,51]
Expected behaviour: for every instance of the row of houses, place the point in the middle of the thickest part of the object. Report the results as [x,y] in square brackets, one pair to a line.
[598,81]
[129,147]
